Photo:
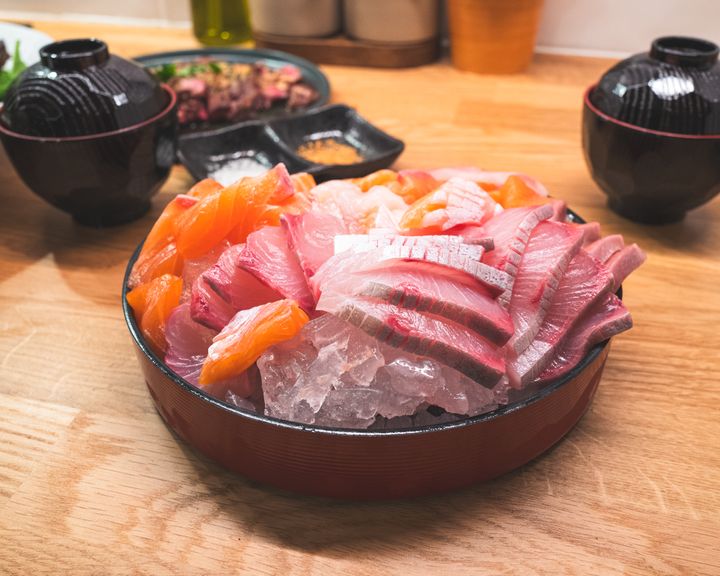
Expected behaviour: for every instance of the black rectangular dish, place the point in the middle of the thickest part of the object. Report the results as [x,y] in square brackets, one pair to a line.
[247,148]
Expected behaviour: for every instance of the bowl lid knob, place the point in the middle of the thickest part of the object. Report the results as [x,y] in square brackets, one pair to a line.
[74,54]
[683,51]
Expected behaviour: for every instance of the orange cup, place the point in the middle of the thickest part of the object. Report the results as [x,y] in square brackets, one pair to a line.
[493,36]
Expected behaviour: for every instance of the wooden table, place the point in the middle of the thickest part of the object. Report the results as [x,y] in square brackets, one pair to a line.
[92,482]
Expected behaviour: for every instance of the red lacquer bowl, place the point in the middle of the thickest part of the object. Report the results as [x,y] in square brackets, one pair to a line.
[368,465]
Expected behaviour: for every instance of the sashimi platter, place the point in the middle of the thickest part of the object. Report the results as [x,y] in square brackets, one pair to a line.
[398,301]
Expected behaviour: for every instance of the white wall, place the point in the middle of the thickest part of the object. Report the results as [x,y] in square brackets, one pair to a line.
[611,27]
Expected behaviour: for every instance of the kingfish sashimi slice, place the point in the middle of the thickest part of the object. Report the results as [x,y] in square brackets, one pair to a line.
[450,343]
[452,257]
[426,288]
[267,258]
[605,247]
[602,321]
[551,248]
[152,304]
[510,231]
[367,242]
[453,203]
[231,213]
[585,282]
[311,236]
[247,336]
[622,263]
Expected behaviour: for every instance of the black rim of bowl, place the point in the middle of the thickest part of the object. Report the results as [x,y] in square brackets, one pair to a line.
[138,339]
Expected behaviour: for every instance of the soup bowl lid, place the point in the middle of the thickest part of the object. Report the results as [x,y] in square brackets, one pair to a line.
[79,88]
[675,88]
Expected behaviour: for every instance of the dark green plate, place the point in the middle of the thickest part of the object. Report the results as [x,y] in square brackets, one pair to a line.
[272,58]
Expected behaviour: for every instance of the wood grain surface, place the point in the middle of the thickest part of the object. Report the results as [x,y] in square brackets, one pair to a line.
[92,482]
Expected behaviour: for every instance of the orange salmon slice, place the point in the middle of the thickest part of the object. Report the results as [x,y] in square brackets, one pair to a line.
[248,335]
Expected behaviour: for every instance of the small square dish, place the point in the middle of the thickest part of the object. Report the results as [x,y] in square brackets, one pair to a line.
[338,141]
[227,154]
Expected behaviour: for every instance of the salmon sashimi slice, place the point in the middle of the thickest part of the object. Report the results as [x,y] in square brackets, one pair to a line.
[163,260]
[515,193]
[247,336]
[231,213]
[382,177]
[205,188]
[454,203]
[414,184]
[487,179]
[303,182]
[152,303]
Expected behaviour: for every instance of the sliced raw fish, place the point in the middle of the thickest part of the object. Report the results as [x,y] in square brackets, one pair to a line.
[622,263]
[585,282]
[247,336]
[235,284]
[591,232]
[604,320]
[357,209]
[603,248]
[207,307]
[231,213]
[422,288]
[188,344]
[152,303]
[453,203]
[451,257]
[549,251]
[510,231]
[496,179]
[367,242]
[258,271]
[412,331]
[311,236]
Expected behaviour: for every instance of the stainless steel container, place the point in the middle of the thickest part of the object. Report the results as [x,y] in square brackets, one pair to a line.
[295,17]
[393,21]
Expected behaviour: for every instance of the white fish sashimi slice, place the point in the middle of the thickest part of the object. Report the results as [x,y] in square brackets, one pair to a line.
[447,342]
[551,248]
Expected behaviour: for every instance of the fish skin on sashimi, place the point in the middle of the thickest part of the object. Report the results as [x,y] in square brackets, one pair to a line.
[427,289]
[510,231]
[311,236]
[494,280]
[551,248]
[605,319]
[207,307]
[366,242]
[585,283]
[447,342]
